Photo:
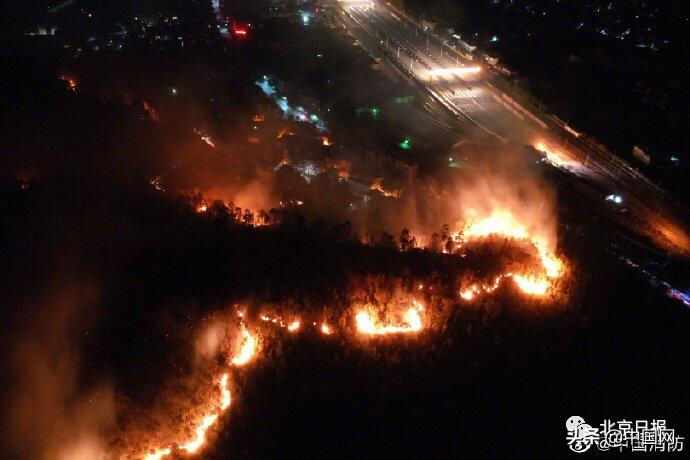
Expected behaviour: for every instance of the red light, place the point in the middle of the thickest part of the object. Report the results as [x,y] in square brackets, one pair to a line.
[240,30]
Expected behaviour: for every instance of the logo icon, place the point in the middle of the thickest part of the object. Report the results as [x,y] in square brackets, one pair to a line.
[636,436]
[581,436]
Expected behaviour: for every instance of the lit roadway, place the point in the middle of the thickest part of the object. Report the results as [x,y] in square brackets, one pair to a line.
[461,89]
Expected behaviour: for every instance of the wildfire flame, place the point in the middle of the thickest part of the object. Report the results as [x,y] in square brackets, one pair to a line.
[247,349]
[554,156]
[503,223]
[225,397]
[376,185]
[366,325]
[158,454]
[531,285]
[200,431]
[200,438]
[534,282]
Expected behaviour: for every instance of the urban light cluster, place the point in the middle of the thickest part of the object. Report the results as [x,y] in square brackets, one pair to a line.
[452,71]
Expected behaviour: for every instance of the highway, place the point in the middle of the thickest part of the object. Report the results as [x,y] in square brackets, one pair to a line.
[465,92]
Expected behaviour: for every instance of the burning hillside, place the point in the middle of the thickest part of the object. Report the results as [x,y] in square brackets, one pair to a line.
[244,285]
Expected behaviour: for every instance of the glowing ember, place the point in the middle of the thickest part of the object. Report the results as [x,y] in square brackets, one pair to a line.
[208,140]
[284,132]
[326,329]
[202,207]
[246,350]
[157,183]
[71,82]
[325,141]
[150,111]
[293,326]
[366,325]
[203,135]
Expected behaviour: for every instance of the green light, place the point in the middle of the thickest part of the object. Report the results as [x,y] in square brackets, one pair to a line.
[374,111]
[405,144]
[313,117]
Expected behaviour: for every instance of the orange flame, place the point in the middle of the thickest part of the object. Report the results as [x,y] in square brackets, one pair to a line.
[247,349]
[200,438]
[532,285]
[554,156]
[503,223]
[366,325]
[376,185]
[225,397]
[158,454]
